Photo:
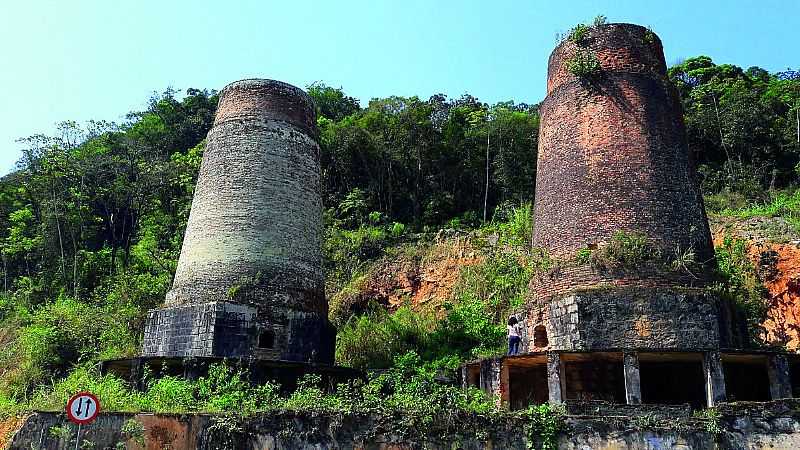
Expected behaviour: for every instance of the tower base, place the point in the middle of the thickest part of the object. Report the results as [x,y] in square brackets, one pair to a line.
[235,330]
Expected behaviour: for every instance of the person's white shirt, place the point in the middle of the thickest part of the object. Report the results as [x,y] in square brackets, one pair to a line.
[513,330]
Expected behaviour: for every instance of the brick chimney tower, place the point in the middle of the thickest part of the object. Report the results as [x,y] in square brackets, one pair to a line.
[613,161]
[249,281]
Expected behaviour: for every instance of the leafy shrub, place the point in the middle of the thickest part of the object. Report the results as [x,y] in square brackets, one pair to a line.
[410,387]
[741,284]
[544,424]
[649,36]
[352,211]
[584,256]
[57,335]
[398,229]
[624,251]
[346,251]
[513,225]
[584,64]
[113,393]
[170,394]
[599,20]
[309,396]
[374,340]
[579,33]
[472,327]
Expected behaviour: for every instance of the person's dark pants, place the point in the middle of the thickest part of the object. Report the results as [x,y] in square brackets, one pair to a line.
[513,345]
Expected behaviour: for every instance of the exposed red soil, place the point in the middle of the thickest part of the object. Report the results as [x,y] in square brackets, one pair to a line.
[778,267]
[421,282]
[8,427]
[782,280]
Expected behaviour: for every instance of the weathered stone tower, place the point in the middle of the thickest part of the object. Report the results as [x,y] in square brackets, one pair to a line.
[249,281]
[613,157]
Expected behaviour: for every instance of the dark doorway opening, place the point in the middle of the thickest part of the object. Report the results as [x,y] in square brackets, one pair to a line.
[595,378]
[794,374]
[746,380]
[673,382]
[540,336]
[474,375]
[527,386]
[266,339]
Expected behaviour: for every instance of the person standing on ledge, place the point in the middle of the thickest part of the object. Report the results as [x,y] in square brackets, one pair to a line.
[513,336]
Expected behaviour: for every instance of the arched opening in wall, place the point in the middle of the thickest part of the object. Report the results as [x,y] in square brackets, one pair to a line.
[266,339]
[540,336]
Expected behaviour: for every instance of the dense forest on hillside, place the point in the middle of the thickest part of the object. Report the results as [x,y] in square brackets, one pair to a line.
[92,221]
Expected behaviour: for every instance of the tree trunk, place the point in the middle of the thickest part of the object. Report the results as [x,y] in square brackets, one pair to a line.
[486,189]
[722,138]
[58,228]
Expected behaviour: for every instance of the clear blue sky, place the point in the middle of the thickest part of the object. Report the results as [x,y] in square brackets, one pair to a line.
[84,59]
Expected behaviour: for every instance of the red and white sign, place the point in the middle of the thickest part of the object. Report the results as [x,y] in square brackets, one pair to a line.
[83,408]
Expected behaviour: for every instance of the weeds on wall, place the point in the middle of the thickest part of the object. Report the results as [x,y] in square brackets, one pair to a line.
[584,64]
[624,251]
[649,36]
[579,33]
[543,424]
[712,420]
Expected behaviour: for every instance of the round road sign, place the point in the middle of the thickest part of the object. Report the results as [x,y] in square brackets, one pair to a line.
[82,408]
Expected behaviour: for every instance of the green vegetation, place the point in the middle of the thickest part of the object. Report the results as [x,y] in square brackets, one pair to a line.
[472,322]
[624,251]
[712,418]
[92,221]
[408,387]
[599,20]
[544,424]
[778,204]
[578,34]
[649,36]
[584,64]
[741,284]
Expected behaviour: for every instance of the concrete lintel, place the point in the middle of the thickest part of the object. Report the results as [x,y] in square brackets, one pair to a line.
[633,384]
[714,378]
[780,382]
[555,378]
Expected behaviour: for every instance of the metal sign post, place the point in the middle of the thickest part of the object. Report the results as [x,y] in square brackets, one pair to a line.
[82,408]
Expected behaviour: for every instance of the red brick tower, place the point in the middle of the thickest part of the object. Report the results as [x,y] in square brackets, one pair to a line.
[619,311]
[613,157]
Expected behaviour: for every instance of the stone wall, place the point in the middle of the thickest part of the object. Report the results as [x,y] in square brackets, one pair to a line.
[773,425]
[254,235]
[629,317]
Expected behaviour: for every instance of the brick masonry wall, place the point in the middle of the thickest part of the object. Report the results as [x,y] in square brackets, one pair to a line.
[254,235]
[564,279]
[613,153]
[613,156]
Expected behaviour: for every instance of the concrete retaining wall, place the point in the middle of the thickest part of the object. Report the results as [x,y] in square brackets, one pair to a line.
[774,425]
